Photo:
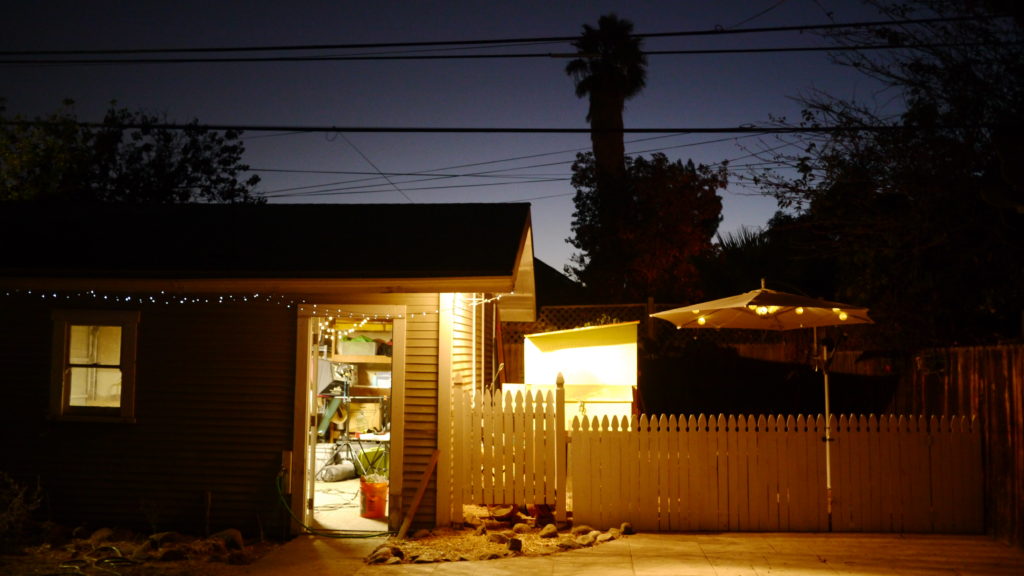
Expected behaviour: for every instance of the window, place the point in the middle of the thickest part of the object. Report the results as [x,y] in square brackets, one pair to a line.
[94,365]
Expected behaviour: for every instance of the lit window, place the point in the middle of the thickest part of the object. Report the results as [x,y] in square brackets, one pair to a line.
[94,365]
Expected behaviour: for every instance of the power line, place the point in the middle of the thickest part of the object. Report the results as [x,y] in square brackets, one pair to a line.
[466,129]
[505,56]
[43,57]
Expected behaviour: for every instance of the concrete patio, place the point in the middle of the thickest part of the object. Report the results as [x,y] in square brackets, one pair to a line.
[684,554]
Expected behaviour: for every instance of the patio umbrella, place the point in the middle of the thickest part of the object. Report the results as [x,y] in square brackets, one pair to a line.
[765,309]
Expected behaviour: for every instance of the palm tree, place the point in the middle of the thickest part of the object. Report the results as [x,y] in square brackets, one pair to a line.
[610,69]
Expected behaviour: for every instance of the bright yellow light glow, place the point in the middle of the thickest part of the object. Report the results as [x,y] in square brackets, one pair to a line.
[702,320]
[695,312]
[843,316]
[763,310]
[799,310]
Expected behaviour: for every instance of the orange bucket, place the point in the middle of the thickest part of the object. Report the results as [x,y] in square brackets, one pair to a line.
[373,499]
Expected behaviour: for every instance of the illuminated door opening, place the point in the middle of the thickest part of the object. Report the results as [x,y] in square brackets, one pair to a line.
[353,424]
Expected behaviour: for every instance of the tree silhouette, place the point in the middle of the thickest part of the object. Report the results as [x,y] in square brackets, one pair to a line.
[670,216]
[126,158]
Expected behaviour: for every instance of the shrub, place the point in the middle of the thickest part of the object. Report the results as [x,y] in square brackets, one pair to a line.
[17,502]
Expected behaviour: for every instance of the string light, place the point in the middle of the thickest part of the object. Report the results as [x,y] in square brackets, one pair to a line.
[160,298]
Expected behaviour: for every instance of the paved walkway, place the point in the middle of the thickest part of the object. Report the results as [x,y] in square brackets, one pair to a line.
[725,554]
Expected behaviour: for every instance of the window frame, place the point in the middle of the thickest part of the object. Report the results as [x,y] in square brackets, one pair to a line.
[60,387]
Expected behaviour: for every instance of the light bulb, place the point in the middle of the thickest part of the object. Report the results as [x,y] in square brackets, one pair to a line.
[702,321]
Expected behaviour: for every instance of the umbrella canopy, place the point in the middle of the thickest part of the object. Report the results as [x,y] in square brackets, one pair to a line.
[765,309]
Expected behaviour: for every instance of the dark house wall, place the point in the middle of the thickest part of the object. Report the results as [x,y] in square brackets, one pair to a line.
[214,408]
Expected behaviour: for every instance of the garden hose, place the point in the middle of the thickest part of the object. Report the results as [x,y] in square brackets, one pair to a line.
[316,531]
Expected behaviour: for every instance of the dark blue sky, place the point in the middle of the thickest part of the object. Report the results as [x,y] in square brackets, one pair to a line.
[683,91]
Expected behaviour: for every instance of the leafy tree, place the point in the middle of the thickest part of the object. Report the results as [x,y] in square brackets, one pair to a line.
[129,157]
[923,222]
[671,213]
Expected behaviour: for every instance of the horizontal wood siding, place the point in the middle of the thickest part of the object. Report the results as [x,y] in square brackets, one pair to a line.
[214,411]
[421,382]
[462,339]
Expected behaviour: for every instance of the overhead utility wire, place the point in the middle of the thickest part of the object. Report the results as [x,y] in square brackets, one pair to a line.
[469,130]
[688,52]
[711,32]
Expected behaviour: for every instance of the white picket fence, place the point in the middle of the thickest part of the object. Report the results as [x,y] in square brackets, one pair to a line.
[510,450]
[746,473]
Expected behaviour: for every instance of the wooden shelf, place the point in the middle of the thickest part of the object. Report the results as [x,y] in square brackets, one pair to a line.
[352,359]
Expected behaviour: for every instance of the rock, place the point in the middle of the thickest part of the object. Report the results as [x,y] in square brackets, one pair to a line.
[521,528]
[421,533]
[172,555]
[497,537]
[627,528]
[393,560]
[581,529]
[549,531]
[515,544]
[480,530]
[231,537]
[588,539]
[239,558]
[615,533]
[384,553]
[163,538]
[502,512]
[101,535]
[606,537]
[569,544]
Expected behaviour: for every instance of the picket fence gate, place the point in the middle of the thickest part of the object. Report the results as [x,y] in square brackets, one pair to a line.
[718,473]
[510,450]
[746,473]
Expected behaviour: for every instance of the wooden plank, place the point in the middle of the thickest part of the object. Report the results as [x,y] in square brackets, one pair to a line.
[581,462]
[722,469]
[732,448]
[664,463]
[744,434]
[420,490]
[671,490]
[531,481]
[758,491]
[940,457]
[687,501]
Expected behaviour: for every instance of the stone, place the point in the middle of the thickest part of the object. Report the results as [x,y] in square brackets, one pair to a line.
[606,537]
[101,535]
[231,537]
[569,544]
[581,529]
[383,553]
[521,528]
[497,537]
[515,544]
[627,528]
[172,555]
[587,539]
[549,531]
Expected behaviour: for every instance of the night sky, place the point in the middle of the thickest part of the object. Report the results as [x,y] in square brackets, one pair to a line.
[683,91]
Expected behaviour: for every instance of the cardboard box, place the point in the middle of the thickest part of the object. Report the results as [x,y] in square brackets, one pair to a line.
[355,348]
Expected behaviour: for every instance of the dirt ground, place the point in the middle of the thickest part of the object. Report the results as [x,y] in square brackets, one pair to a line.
[107,553]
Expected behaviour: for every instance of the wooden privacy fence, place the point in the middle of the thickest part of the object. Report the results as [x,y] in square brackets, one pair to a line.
[746,473]
[510,450]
